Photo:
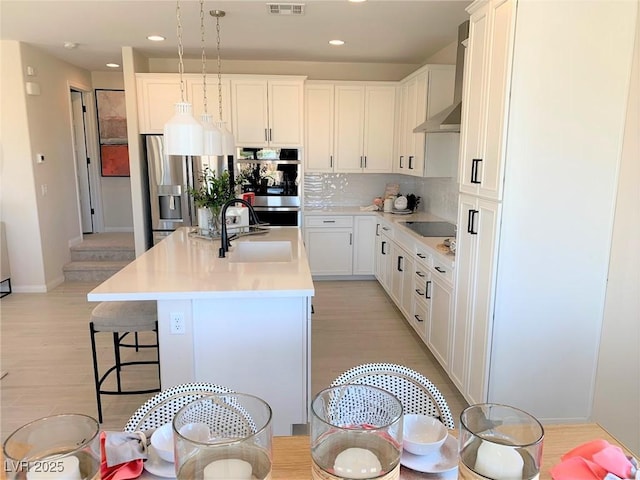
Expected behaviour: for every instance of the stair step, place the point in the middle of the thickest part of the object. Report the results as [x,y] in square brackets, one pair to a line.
[79,254]
[85,271]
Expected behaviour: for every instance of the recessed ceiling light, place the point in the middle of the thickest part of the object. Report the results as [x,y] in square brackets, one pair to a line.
[70,45]
[112,65]
[336,42]
[156,38]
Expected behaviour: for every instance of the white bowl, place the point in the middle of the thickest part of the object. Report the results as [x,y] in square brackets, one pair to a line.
[422,434]
[162,442]
[162,438]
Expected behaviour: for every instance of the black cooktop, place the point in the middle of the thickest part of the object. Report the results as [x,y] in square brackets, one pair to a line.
[432,229]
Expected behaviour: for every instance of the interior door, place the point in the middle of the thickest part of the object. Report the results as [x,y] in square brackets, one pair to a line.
[82,165]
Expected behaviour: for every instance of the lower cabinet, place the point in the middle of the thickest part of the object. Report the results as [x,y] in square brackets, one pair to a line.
[420,285]
[439,336]
[340,245]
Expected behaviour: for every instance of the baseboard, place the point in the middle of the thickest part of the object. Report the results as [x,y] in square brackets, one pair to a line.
[118,229]
[54,283]
[343,277]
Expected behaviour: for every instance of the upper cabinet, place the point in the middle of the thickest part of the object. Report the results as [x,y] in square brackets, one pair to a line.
[158,94]
[318,126]
[268,111]
[423,94]
[350,126]
[485,95]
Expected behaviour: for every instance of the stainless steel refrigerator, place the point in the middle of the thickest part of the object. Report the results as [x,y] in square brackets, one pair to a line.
[170,177]
[171,206]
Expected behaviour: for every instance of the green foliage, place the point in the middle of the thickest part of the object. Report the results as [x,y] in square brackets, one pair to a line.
[214,190]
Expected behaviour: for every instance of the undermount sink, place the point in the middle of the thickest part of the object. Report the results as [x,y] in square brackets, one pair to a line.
[258,252]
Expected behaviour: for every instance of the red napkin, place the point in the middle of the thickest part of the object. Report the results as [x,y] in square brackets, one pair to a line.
[122,471]
[592,460]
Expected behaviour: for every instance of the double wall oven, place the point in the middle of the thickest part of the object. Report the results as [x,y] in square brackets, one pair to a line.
[273,175]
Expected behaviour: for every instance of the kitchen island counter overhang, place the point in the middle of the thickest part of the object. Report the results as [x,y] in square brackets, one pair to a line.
[246,318]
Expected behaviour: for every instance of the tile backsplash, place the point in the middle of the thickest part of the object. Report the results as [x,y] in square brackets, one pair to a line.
[325,190]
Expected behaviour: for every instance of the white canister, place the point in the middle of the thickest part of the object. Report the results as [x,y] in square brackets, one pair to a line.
[388,205]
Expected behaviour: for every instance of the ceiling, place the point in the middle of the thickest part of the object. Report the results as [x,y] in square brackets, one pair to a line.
[375,31]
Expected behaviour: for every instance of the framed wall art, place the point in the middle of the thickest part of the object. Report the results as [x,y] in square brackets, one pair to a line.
[112,131]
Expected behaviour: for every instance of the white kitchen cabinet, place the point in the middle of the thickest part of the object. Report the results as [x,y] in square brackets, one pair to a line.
[364,244]
[543,121]
[364,128]
[486,92]
[401,290]
[423,94]
[341,245]
[268,111]
[384,235]
[439,336]
[195,90]
[318,124]
[157,97]
[329,244]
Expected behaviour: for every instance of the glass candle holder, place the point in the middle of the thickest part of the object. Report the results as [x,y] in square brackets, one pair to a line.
[356,433]
[60,447]
[499,442]
[223,436]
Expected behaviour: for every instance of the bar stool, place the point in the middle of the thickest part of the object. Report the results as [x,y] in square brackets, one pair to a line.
[121,319]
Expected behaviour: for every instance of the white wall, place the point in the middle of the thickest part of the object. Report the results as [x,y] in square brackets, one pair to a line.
[617,395]
[40,227]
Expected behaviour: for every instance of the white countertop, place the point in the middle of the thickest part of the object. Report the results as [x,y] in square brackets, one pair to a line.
[431,242]
[184,267]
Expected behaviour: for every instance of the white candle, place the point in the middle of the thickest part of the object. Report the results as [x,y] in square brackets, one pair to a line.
[65,468]
[499,462]
[228,469]
[357,463]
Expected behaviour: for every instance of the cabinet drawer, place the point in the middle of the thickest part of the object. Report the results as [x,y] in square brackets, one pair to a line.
[329,221]
[421,283]
[443,271]
[423,255]
[420,318]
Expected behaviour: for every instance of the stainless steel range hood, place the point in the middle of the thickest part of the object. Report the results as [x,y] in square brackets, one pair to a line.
[448,120]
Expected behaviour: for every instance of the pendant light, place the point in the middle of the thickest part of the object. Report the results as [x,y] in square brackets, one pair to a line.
[212,137]
[228,141]
[183,134]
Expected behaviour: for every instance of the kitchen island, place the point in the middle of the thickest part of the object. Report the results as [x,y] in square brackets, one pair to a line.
[242,321]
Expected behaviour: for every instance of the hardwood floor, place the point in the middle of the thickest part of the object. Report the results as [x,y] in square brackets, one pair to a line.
[46,350]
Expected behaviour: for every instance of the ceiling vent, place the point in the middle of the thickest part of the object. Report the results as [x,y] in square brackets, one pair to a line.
[285,8]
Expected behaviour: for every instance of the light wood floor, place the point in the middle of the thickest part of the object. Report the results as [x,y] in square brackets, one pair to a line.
[47,355]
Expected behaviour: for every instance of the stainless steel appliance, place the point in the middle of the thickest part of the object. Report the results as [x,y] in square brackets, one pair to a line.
[273,175]
[170,177]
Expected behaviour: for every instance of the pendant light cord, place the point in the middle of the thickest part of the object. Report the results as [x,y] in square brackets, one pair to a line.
[180,49]
[204,56]
[219,67]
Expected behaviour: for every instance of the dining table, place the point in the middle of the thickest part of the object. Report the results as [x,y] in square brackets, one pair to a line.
[292,454]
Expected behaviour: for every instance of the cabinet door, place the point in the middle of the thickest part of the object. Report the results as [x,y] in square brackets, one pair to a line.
[319,111]
[383,257]
[157,97]
[195,87]
[399,258]
[329,250]
[285,113]
[379,115]
[476,253]
[250,112]
[364,234]
[349,128]
[487,90]
[399,164]
[472,130]
[439,326]
[415,116]
[406,298]
[420,315]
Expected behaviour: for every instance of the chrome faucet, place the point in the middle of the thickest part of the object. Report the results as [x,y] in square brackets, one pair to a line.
[224,237]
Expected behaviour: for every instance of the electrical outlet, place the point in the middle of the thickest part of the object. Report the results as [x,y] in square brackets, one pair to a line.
[177,323]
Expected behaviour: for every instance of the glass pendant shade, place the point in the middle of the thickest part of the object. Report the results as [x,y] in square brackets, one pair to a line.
[212,136]
[183,134]
[228,141]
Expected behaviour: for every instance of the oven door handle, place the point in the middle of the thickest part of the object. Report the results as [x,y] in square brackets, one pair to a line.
[276,209]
